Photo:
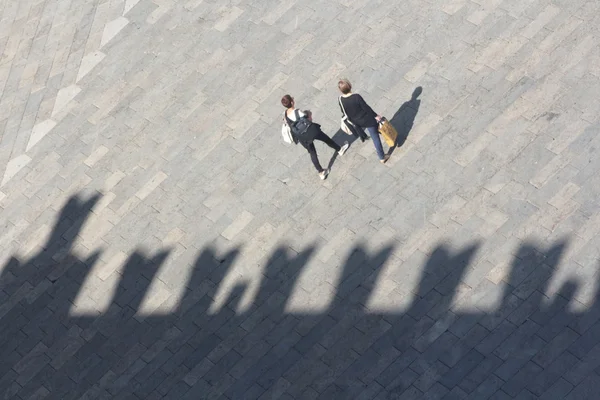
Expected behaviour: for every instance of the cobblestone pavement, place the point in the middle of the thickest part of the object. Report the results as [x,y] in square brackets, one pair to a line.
[159,240]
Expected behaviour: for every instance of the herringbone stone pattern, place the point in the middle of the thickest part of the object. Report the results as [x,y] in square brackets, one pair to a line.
[161,241]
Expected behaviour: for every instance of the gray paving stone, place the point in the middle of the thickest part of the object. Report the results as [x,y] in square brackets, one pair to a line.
[525,309]
[456,393]
[436,392]
[461,369]
[191,91]
[549,376]
[510,304]
[389,374]
[402,383]
[516,338]
[559,389]
[514,385]
[487,388]
[464,345]
[433,352]
[483,370]
[585,389]
[585,342]
[555,347]
[430,377]
[514,366]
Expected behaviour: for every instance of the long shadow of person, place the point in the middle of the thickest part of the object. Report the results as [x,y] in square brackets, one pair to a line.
[404,119]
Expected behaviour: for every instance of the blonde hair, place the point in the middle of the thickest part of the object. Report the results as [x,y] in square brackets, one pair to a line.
[345,86]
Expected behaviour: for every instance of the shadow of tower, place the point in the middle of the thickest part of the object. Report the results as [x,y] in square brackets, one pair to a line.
[529,346]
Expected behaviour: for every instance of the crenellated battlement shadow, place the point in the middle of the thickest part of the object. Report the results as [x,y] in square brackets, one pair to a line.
[530,345]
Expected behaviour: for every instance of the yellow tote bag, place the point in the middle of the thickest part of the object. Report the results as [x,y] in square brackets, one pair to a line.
[388,132]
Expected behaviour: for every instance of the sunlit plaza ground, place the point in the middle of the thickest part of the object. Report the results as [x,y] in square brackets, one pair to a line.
[160,240]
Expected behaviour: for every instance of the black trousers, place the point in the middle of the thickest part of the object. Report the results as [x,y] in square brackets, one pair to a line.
[310,147]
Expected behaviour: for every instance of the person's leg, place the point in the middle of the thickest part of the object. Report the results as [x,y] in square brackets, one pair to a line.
[376,141]
[327,140]
[341,150]
[313,156]
[361,133]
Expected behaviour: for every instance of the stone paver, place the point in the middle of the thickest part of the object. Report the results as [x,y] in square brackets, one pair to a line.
[161,241]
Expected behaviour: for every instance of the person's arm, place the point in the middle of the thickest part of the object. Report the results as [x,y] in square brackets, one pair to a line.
[363,104]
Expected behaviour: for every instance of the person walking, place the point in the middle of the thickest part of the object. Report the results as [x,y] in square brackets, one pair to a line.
[305,132]
[359,113]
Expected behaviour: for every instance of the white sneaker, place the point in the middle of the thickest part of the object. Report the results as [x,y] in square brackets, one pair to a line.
[323,174]
[344,148]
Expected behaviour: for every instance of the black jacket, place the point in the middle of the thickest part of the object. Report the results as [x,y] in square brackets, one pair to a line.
[358,111]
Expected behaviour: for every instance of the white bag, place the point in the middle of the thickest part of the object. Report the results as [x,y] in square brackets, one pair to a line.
[286,133]
[344,125]
[345,121]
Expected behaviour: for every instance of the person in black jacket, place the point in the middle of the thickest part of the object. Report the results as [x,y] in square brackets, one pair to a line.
[361,115]
[314,132]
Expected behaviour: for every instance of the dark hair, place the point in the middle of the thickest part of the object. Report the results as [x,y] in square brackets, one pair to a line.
[345,86]
[287,101]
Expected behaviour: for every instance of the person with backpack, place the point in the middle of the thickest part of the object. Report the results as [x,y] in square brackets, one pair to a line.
[361,115]
[305,132]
